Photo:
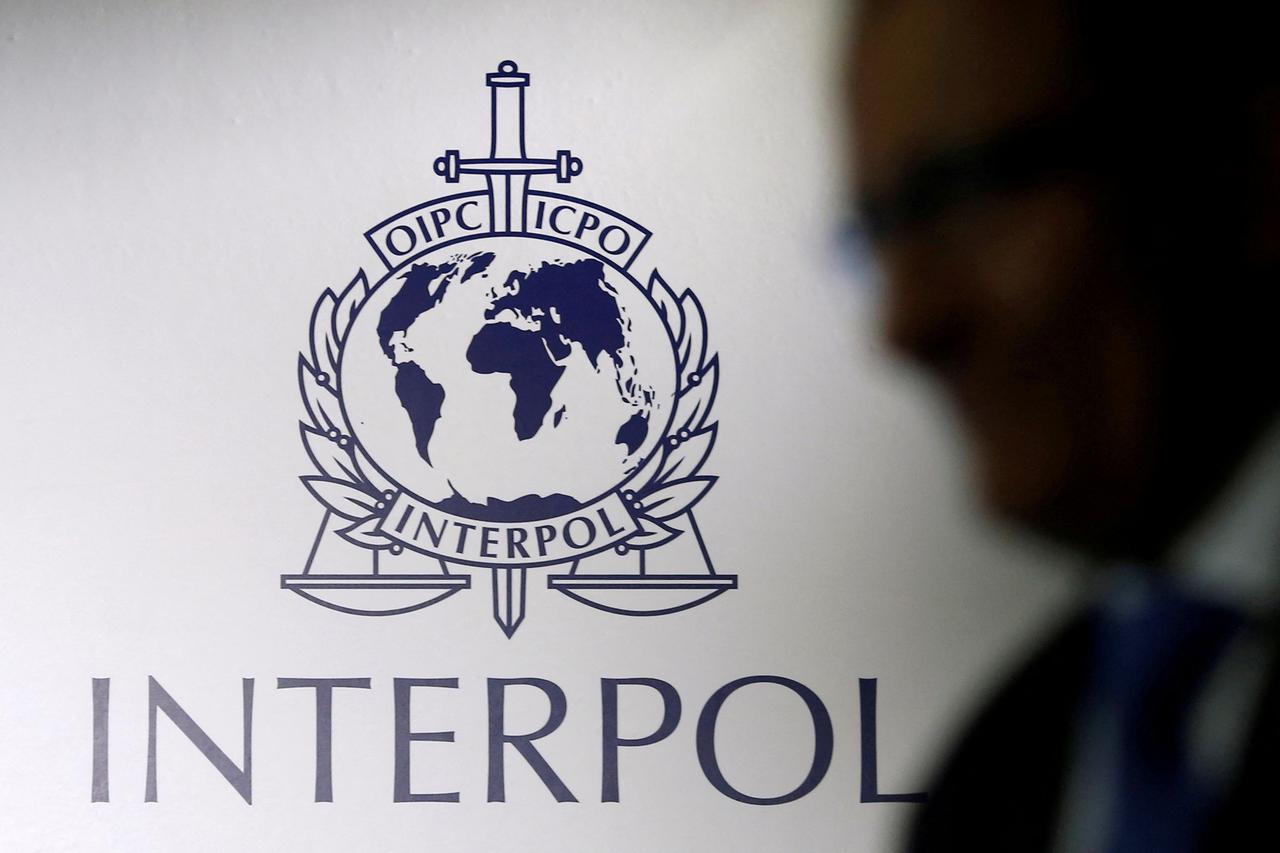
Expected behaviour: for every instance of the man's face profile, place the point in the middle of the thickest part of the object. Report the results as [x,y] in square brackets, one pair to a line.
[1014,276]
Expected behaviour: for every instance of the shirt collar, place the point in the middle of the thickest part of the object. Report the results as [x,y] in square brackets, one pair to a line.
[1232,551]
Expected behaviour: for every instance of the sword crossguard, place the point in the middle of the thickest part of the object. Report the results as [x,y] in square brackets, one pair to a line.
[452,167]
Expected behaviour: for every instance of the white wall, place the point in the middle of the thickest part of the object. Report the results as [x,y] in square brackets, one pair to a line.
[181,180]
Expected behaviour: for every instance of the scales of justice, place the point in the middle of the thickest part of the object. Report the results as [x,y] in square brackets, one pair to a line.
[358,565]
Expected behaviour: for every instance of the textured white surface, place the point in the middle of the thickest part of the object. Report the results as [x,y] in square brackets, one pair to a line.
[181,180]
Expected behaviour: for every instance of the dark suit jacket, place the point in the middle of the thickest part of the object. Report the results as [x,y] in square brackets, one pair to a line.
[1000,789]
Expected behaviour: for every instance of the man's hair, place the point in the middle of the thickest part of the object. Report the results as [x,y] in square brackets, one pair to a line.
[1189,102]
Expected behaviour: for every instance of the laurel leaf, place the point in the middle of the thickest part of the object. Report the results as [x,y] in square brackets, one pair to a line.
[651,534]
[370,472]
[646,473]
[668,305]
[686,458]
[693,406]
[328,457]
[342,498]
[322,403]
[675,498]
[348,304]
[365,533]
[693,344]
[324,345]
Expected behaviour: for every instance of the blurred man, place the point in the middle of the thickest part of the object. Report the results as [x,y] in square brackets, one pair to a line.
[1076,209]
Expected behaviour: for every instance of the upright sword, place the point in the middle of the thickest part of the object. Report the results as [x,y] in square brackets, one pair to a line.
[507,170]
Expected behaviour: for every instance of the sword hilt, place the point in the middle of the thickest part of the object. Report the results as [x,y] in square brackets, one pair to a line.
[506,94]
[506,143]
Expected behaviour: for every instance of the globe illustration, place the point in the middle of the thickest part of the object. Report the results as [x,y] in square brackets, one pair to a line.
[508,378]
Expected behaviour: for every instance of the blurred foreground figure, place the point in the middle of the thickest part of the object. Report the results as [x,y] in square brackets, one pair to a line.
[1076,210]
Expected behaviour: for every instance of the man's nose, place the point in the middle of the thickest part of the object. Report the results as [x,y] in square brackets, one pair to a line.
[924,314]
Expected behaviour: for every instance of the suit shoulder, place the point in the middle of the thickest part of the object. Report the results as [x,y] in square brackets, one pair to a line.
[998,788]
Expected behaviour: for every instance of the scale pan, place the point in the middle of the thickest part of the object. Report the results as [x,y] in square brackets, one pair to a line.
[642,595]
[375,595]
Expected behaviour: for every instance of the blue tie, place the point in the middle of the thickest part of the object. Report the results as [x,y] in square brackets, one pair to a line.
[1153,659]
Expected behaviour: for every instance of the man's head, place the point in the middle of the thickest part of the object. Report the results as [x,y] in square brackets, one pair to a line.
[1076,211]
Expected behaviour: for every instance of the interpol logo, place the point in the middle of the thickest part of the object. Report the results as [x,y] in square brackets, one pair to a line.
[508,396]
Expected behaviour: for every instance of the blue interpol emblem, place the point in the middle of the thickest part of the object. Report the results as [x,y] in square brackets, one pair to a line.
[508,396]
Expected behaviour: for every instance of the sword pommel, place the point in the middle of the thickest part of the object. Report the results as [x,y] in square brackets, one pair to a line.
[508,74]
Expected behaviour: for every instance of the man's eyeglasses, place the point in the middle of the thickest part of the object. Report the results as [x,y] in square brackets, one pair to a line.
[940,183]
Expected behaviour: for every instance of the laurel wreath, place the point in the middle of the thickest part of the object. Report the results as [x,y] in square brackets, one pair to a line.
[667,485]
